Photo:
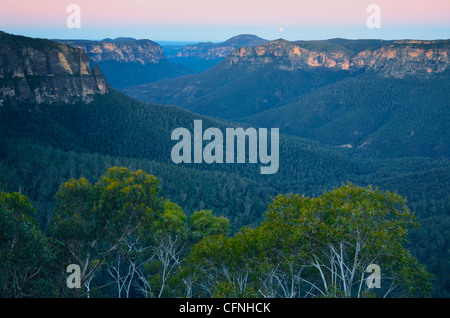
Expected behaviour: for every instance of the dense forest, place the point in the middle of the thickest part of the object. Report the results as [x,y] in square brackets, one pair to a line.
[138,73]
[383,117]
[375,115]
[120,238]
[44,146]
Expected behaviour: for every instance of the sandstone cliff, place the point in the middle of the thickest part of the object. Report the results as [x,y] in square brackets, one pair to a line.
[395,59]
[41,71]
[121,50]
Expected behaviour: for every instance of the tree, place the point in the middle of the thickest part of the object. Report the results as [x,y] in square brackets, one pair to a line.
[26,258]
[203,223]
[167,242]
[318,247]
[94,221]
[228,267]
[204,228]
[331,241]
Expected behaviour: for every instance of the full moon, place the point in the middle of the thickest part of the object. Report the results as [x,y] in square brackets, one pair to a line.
[281,29]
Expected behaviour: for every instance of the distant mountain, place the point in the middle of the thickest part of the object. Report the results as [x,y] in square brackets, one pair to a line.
[127,61]
[41,71]
[368,95]
[126,50]
[202,56]
[394,59]
[121,39]
[212,51]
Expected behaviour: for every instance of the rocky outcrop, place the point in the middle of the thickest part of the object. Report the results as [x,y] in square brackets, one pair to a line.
[127,50]
[42,71]
[212,51]
[406,58]
[397,59]
[289,56]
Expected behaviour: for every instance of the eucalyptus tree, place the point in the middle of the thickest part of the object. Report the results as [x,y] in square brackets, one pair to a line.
[94,221]
[26,256]
[317,247]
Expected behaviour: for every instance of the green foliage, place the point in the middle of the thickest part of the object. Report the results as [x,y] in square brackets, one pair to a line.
[230,290]
[353,218]
[43,148]
[203,223]
[237,92]
[120,218]
[323,244]
[25,253]
[121,222]
[120,202]
[9,40]
[173,220]
[383,117]
[93,221]
[343,45]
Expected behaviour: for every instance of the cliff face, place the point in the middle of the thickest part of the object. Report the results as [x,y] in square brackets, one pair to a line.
[121,50]
[41,71]
[406,58]
[212,51]
[395,59]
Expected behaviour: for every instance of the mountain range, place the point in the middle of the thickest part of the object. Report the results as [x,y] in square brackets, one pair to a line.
[59,131]
[142,60]
[145,61]
[358,94]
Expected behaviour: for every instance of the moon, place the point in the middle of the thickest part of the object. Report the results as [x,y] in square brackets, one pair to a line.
[281,29]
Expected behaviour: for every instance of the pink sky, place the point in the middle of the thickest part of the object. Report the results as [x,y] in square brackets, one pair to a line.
[217,20]
[52,13]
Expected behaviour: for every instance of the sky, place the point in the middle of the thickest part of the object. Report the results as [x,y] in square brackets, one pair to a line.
[218,20]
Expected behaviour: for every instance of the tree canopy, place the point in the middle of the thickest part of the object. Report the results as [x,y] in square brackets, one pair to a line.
[317,247]
[129,241]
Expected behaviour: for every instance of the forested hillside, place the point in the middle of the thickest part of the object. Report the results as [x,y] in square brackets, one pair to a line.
[380,98]
[99,170]
[43,147]
[143,61]
[375,116]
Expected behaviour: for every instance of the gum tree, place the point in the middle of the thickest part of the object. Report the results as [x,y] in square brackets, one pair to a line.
[92,222]
[317,247]
[331,240]
[26,258]
[167,243]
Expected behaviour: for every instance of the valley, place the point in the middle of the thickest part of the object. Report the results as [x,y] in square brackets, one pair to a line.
[70,120]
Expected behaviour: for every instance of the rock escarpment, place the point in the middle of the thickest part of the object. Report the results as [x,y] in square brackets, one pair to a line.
[42,71]
[397,59]
[126,50]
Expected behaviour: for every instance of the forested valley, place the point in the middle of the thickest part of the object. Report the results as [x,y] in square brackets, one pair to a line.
[45,146]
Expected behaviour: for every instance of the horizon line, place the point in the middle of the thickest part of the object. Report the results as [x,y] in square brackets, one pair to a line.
[216,41]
